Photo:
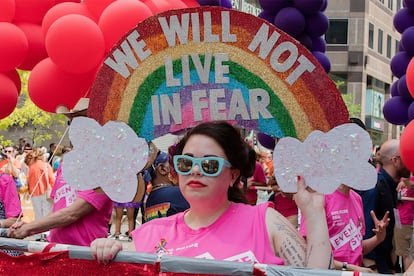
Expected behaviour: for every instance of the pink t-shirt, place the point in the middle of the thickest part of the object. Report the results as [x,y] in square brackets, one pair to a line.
[258,176]
[240,234]
[406,208]
[346,226]
[90,227]
[9,196]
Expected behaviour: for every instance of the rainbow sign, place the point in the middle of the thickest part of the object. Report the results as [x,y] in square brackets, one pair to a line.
[182,67]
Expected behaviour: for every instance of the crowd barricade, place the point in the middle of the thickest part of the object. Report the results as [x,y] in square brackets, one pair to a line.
[59,259]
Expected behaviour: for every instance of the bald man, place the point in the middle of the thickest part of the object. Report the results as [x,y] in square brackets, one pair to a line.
[383,198]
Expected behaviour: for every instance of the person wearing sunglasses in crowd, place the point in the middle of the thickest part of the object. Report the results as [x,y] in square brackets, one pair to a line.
[209,160]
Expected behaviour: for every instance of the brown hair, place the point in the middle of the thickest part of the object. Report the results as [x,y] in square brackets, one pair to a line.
[36,154]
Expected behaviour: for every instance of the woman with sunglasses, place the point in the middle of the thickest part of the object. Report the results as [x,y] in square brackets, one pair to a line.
[209,161]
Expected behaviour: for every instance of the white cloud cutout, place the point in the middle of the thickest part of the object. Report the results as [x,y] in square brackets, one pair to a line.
[326,160]
[108,157]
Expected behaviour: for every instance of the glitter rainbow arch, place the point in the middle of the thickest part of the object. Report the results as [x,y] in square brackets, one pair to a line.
[182,67]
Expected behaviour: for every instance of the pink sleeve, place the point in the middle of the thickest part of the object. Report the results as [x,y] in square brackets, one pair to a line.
[9,196]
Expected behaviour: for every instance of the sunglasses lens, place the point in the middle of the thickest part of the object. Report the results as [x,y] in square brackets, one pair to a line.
[184,164]
[210,166]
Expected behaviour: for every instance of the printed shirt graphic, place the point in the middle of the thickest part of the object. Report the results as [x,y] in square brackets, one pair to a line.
[86,229]
[220,241]
[346,226]
[164,202]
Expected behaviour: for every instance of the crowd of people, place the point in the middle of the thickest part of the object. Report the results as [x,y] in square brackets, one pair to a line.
[203,186]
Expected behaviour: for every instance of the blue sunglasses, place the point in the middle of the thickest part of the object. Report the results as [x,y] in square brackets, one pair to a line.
[209,166]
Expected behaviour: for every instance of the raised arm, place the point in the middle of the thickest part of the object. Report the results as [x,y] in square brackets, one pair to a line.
[316,252]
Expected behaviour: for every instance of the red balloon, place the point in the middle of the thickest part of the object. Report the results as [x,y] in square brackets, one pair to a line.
[96,7]
[63,1]
[13,46]
[409,77]
[32,11]
[37,50]
[15,77]
[8,96]
[75,43]
[7,11]
[158,6]
[50,87]
[407,146]
[62,9]
[191,3]
[119,18]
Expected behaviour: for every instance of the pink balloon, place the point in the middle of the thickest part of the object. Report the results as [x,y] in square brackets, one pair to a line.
[8,96]
[13,46]
[62,9]
[15,77]
[37,49]
[50,87]
[7,11]
[96,7]
[119,18]
[75,43]
[32,11]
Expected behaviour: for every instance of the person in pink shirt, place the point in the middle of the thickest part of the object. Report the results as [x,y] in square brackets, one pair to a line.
[403,230]
[10,207]
[209,160]
[257,179]
[345,218]
[77,218]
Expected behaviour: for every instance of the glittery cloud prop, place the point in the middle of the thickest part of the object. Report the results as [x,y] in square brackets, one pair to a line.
[108,157]
[326,160]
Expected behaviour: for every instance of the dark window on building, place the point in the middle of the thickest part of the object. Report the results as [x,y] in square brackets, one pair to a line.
[397,43]
[382,1]
[371,36]
[341,81]
[380,39]
[337,32]
[389,46]
[391,4]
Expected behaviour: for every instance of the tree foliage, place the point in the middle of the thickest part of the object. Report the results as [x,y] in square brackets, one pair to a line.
[36,123]
[353,109]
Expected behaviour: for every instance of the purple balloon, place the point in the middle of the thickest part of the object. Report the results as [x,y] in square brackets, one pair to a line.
[394,89]
[266,140]
[273,6]
[319,44]
[323,60]
[411,112]
[306,41]
[407,40]
[226,4]
[403,89]
[290,20]
[395,111]
[400,47]
[308,7]
[403,19]
[399,64]
[409,4]
[209,2]
[324,5]
[268,16]
[317,25]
